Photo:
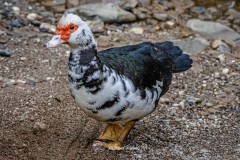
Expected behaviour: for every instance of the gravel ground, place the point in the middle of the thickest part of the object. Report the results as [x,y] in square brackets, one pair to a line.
[199,118]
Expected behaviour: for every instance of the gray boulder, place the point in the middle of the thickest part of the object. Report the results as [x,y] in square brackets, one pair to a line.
[213,30]
[107,12]
[192,45]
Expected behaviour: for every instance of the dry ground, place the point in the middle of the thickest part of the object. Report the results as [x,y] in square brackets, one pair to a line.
[198,118]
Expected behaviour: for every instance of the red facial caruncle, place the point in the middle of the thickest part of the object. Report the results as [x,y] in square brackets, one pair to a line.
[66,31]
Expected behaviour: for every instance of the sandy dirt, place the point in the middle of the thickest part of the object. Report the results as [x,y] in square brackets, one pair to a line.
[198,118]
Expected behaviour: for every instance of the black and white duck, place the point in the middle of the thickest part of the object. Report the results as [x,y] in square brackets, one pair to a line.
[119,85]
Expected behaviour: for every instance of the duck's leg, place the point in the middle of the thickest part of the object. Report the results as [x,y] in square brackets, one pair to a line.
[114,135]
[110,133]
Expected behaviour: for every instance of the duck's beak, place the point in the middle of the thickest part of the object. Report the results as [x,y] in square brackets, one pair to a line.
[55,41]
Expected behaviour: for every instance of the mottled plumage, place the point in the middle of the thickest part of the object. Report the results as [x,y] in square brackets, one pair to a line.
[118,85]
[124,83]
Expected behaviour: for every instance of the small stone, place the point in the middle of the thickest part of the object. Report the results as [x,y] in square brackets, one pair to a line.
[224,48]
[204,150]
[216,43]
[32,16]
[67,53]
[170,23]
[160,16]
[47,27]
[15,23]
[225,71]
[53,62]
[191,101]
[209,104]
[16,9]
[217,75]
[11,82]
[199,10]
[129,5]
[140,15]
[181,92]
[38,127]
[2,33]
[164,100]
[136,30]
[220,46]
[221,57]
[5,53]
[23,58]
[21,81]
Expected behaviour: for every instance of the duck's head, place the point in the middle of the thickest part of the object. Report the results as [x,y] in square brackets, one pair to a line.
[72,30]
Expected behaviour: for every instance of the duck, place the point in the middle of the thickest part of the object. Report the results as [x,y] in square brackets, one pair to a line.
[117,86]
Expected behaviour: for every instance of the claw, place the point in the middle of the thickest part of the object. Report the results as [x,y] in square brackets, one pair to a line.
[113,135]
[111,146]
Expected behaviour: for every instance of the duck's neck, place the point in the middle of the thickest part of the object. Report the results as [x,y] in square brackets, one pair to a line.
[84,66]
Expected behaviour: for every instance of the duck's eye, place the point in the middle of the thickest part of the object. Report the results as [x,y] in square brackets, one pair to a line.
[72,27]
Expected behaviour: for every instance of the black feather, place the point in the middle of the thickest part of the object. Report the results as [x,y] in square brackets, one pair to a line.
[147,62]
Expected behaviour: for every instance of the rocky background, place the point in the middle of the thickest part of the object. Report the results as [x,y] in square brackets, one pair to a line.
[199,118]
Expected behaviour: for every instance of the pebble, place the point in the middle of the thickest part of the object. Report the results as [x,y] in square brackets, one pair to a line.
[10,82]
[160,16]
[209,104]
[225,71]
[21,81]
[224,48]
[191,101]
[16,9]
[47,27]
[67,53]
[216,43]
[38,127]
[198,9]
[129,5]
[2,32]
[5,53]
[23,58]
[140,15]
[170,23]
[15,23]
[217,75]
[221,57]
[136,30]
[32,16]
[220,46]
[181,92]
[164,100]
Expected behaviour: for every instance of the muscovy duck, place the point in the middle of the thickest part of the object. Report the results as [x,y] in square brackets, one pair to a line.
[119,85]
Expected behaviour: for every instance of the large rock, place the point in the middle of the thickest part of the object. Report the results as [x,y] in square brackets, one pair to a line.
[107,12]
[213,30]
[192,45]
